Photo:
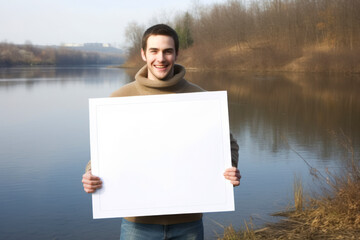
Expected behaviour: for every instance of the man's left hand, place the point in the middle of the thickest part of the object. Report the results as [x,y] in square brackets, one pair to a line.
[233,175]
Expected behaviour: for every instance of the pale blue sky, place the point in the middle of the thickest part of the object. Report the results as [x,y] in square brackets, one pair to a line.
[52,22]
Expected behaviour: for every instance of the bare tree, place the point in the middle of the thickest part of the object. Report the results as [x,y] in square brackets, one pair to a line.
[133,34]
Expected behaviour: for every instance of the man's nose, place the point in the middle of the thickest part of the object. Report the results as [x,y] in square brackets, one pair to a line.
[161,57]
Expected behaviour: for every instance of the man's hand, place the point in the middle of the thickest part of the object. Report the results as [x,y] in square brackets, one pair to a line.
[233,175]
[91,182]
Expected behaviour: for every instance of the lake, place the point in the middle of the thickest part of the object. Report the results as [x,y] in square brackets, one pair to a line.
[44,143]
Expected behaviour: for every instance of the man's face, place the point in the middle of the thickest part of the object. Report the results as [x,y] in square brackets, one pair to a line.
[160,57]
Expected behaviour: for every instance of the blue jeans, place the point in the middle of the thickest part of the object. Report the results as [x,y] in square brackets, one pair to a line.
[182,231]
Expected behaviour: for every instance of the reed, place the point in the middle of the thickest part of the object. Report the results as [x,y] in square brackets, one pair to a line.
[298,194]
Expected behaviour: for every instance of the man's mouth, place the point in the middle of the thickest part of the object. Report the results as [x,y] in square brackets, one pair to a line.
[160,67]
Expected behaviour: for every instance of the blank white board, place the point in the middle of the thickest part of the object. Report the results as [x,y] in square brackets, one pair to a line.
[160,154]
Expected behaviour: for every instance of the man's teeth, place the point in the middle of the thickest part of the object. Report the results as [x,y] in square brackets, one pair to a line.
[160,66]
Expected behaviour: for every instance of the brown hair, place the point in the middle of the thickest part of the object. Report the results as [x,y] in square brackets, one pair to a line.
[161,29]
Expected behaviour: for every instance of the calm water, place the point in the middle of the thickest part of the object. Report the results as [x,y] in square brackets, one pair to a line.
[44,143]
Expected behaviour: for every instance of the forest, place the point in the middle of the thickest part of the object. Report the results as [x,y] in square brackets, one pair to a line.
[265,35]
[30,55]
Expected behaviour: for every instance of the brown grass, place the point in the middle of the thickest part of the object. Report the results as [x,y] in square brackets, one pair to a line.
[298,195]
[334,214]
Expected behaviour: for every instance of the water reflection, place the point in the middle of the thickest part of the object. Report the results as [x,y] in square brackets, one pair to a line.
[31,76]
[304,108]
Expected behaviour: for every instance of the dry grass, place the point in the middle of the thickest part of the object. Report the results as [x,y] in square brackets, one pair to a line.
[334,214]
[298,195]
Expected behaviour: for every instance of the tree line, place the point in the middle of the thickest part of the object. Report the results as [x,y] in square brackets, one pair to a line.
[28,55]
[266,34]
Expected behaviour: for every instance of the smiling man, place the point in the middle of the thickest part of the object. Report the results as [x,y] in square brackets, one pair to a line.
[160,75]
[160,56]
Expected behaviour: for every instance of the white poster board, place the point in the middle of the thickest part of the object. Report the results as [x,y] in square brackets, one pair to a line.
[161,154]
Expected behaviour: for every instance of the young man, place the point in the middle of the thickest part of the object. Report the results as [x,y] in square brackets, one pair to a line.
[160,75]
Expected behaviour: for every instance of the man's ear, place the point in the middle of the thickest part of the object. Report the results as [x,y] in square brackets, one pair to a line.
[143,54]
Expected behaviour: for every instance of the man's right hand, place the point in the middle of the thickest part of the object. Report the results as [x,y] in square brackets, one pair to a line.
[91,182]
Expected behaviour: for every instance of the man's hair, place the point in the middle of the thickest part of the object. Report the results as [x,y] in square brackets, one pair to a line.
[160,29]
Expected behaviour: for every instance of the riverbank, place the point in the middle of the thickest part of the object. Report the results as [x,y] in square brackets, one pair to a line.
[265,58]
[334,214]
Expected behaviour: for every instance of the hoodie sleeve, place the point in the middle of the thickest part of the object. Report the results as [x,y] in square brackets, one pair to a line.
[234,151]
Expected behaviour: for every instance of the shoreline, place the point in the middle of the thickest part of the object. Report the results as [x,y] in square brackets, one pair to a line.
[333,213]
[202,69]
[310,59]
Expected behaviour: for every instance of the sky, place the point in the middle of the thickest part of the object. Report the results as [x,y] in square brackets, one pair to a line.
[56,22]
